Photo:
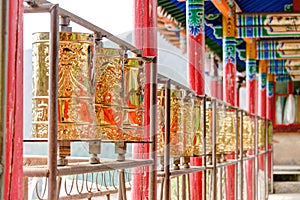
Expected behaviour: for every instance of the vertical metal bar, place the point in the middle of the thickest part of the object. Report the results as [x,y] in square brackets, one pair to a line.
[266,160]
[177,187]
[272,158]
[204,181]
[25,183]
[220,172]
[53,102]
[153,130]
[167,141]
[188,187]
[183,187]
[256,168]
[3,77]
[214,149]
[122,187]
[241,156]
[236,155]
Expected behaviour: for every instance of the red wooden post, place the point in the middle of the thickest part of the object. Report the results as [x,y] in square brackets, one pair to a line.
[251,103]
[14,110]
[145,38]
[262,83]
[262,98]
[196,59]
[220,89]
[229,88]
[270,114]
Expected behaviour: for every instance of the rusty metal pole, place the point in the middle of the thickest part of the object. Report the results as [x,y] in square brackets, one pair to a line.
[3,76]
[153,130]
[241,157]
[167,184]
[214,149]
[53,102]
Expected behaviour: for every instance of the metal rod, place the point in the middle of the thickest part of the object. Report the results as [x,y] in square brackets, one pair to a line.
[204,175]
[167,141]
[256,168]
[3,76]
[236,155]
[44,8]
[153,131]
[53,98]
[183,187]
[214,149]
[241,156]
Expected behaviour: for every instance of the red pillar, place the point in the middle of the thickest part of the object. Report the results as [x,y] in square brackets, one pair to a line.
[13,183]
[229,88]
[262,85]
[251,90]
[196,60]
[145,38]
[262,98]
[270,98]
[270,115]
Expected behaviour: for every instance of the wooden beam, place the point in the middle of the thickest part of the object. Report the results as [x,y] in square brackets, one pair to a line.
[222,6]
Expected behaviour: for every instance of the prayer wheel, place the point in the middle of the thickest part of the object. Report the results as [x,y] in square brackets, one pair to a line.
[198,125]
[108,94]
[75,85]
[176,125]
[133,115]
[119,96]
[188,126]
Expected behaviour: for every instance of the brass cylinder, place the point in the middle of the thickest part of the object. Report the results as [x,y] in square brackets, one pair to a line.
[188,127]
[198,115]
[261,133]
[133,115]
[108,94]
[176,125]
[75,85]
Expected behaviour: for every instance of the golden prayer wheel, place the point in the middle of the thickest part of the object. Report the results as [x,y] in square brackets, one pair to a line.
[188,127]
[119,96]
[261,133]
[176,125]
[220,131]
[198,123]
[108,95]
[248,132]
[229,131]
[75,85]
[208,127]
[134,82]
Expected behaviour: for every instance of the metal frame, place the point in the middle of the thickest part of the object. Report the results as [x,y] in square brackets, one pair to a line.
[3,76]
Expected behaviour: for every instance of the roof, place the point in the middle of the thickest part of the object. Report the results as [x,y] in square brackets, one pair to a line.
[213,20]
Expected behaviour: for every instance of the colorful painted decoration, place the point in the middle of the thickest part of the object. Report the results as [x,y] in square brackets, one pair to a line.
[195,16]
[251,69]
[270,88]
[229,61]
[268,25]
[262,81]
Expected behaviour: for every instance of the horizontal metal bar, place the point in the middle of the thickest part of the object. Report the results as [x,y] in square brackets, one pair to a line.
[88,140]
[38,9]
[81,168]
[35,172]
[182,171]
